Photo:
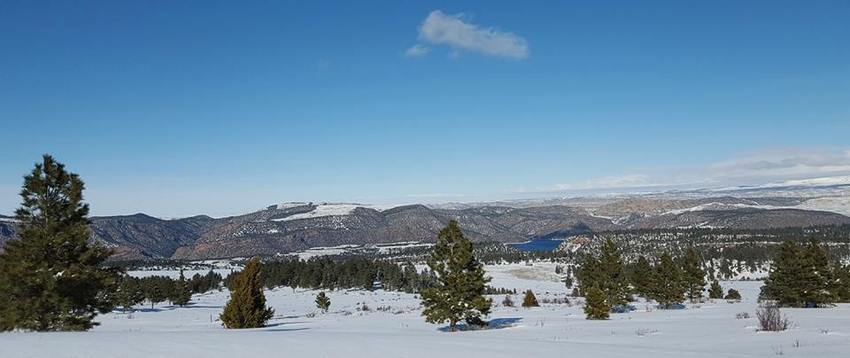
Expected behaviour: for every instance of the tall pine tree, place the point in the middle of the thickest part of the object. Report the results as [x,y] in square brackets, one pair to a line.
[668,289]
[693,276]
[182,293]
[641,277]
[458,293]
[247,305]
[51,279]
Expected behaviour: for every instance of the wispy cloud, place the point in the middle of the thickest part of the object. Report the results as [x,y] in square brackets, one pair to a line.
[624,181]
[417,51]
[454,31]
[775,165]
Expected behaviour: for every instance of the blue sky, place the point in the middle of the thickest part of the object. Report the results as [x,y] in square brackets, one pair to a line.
[176,108]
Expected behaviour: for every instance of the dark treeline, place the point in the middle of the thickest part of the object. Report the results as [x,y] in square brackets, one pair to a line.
[131,291]
[355,272]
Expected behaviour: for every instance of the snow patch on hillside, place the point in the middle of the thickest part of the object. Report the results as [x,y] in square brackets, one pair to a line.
[724,206]
[323,210]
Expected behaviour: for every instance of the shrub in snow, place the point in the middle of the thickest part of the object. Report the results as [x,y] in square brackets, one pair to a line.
[622,308]
[771,319]
[672,306]
[733,294]
[508,302]
[742,315]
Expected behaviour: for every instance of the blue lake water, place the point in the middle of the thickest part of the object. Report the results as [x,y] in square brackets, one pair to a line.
[538,245]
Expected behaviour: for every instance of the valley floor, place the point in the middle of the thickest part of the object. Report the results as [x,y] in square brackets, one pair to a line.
[393,327]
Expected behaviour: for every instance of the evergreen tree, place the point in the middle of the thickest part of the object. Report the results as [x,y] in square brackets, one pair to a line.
[323,302]
[596,306]
[458,293]
[529,300]
[641,277]
[247,305]
[842,282]
[129,293]
[801,277]
[51,279]
[607,272]
[715,291]
[819,286]
[182,293]
[693,277]
[786,273]
[156,289]
[669,289]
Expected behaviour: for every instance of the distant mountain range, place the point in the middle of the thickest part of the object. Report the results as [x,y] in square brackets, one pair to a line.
[291,227]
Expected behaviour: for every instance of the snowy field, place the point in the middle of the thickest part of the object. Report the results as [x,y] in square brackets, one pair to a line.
[393,327]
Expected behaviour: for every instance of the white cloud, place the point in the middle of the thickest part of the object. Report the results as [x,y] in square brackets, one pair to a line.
[451,30]
[417,51]
[750,169]
[610,182]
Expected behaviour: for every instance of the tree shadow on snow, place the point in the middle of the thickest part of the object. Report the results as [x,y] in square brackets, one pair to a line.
[202,306]
[286,329]
[495,323]
[282,324]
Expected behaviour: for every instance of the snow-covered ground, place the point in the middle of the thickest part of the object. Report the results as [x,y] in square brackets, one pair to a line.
[397,329]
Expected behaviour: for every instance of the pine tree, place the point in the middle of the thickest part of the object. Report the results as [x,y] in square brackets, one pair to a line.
[802,277]
[596,307]
[669,290]
[641,277]
[786,274]
[458,293]
[529,300]
[606,271]
[323,302]
[841,273]
[129,293]
[181,294]
[51,279]
[693,276]
[715,291]
[820,286]
[155,290]
[247,305]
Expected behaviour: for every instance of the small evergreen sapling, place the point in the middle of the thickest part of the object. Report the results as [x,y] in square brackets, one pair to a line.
[247,305]
[529,300]
[715,291]
[323,302]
